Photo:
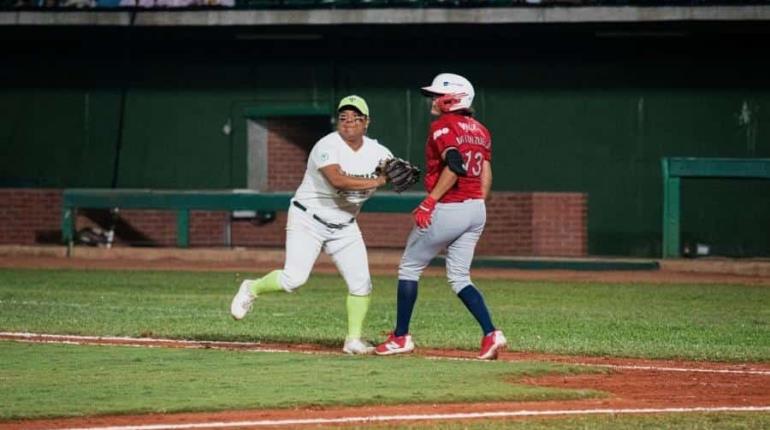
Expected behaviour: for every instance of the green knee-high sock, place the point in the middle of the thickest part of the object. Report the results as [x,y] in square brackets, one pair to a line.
[357,308]
[267,283]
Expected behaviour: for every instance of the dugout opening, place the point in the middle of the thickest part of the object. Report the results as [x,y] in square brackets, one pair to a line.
[278,148]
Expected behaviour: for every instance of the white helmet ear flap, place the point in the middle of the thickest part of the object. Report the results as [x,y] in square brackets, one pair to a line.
[450,83]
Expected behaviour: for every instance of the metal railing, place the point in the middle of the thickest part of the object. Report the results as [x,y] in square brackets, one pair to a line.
[674,169]
[182,202]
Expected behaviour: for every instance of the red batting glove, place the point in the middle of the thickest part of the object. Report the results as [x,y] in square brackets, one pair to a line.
[423,212]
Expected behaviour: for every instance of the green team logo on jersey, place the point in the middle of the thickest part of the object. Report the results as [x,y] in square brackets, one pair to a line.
[324,156]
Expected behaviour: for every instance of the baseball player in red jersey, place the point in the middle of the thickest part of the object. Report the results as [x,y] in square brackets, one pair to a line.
[452,217]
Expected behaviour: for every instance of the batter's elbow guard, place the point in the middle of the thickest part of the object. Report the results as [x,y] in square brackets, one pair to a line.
[455,162]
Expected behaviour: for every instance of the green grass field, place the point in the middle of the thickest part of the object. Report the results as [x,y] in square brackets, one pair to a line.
[701,322]
[65,380]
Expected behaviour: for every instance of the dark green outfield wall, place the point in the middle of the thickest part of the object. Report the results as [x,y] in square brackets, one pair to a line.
[569,111]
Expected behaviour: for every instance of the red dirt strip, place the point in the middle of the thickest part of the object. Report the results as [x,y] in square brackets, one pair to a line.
[387,269]
[634,386]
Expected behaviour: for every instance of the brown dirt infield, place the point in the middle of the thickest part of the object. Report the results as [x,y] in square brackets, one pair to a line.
[630,383]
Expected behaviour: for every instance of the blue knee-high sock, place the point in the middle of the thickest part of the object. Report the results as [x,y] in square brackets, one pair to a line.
[474,301]
[407,296]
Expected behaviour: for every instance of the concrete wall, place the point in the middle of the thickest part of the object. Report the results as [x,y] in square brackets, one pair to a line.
[554,14]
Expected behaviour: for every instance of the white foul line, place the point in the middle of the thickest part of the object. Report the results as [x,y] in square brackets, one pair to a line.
[423,417]
[149,342]
[252,346]
[676,369]
[54,337]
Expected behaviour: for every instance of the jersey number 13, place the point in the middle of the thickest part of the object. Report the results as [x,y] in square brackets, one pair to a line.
[473,162]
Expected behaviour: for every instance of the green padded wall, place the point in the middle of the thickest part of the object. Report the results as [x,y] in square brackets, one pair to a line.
[585,115]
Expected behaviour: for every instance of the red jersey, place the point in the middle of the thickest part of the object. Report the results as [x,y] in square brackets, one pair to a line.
[474,142]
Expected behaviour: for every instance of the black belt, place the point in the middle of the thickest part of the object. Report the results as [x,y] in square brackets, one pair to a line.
[319,219]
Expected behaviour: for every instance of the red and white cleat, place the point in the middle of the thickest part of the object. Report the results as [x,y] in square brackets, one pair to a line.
[491,344]
[395,345]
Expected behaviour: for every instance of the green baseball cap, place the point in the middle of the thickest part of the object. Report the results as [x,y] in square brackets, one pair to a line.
[355,102]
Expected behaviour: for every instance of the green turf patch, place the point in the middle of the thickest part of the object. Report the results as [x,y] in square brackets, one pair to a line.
[687,421]
[38,380]
[702,322]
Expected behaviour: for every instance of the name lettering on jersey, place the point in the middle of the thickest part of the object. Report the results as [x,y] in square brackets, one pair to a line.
[360,175]
[440,132]
[357,196]
[472,140]
[468,126]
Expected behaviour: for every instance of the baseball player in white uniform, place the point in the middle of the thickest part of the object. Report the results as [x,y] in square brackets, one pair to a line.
[340,176]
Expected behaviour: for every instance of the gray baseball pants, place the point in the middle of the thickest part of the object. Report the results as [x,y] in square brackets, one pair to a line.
[456,227]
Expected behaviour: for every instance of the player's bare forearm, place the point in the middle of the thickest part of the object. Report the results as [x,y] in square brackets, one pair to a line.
[340,181]
[445,182]
[486,179]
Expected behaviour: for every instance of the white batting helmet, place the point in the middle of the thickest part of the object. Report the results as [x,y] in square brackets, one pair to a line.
[449,83]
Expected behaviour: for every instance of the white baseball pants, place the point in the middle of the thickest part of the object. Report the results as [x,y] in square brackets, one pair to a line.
[306,237]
